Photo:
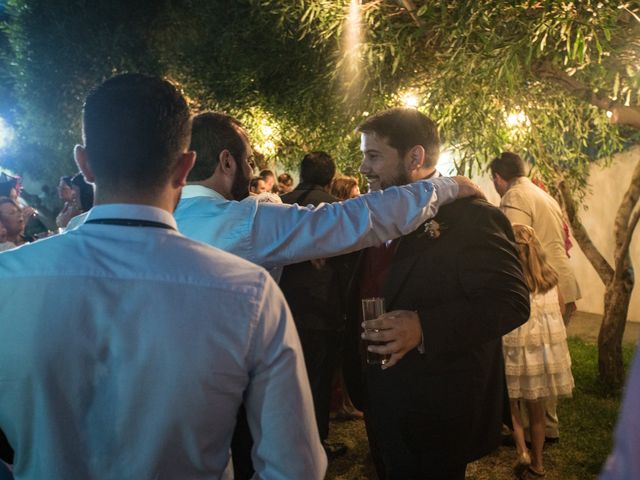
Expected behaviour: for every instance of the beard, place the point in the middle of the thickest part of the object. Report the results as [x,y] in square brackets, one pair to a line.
[400,178]
[240,185]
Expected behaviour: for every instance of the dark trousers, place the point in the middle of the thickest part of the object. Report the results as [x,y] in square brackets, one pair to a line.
[320,349]
[394,461]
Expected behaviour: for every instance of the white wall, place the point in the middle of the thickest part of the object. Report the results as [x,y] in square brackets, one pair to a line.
[607,186]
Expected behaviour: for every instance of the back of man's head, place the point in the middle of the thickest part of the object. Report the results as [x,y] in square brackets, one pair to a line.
[403,129]
[317,168]
[508,165]
[213,132]
[135,127]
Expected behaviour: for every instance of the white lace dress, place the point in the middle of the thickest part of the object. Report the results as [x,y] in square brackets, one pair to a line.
[536,355]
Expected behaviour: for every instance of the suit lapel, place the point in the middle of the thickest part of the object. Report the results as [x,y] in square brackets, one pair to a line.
[407,253]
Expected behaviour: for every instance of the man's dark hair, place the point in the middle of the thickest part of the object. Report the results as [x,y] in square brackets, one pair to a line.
[317,168]
[253,184]
[211,133]
[508,165]
[264,174]
[67,180]
[135,127]
[403,129]
[285,179]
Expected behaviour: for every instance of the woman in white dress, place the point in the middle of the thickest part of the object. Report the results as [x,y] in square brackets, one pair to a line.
[537,360]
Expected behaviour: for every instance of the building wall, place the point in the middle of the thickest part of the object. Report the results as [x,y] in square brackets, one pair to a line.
[607,185]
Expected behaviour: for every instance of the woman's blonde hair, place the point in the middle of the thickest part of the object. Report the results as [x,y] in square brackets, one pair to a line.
[539,275]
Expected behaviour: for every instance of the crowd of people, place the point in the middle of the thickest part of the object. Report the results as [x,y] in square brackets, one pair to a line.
[132,349]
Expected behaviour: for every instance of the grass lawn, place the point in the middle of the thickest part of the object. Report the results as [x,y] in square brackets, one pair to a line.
[587,422]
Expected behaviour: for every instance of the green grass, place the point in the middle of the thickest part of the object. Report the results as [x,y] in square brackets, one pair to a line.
[587,422]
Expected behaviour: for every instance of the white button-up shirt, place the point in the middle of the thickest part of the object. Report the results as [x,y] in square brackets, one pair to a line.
[125,352]
[274,235]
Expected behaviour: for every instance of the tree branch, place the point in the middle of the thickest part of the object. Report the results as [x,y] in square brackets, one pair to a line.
[599,263]
[629,202]
[624,257]
[410,7]
[620,114]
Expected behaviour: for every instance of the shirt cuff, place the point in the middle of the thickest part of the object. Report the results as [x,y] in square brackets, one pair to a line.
[446,189]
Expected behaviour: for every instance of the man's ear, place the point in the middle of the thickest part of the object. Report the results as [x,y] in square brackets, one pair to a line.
[185,163]
[80,156]
[226,163]
[416,158]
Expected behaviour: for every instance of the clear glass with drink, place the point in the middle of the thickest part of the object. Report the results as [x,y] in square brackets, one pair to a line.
[372,308]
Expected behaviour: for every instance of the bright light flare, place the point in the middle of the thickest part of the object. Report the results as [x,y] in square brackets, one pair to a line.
[7,134]
[267,130]
[410,100]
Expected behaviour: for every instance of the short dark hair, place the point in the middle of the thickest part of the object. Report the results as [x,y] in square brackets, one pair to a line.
[403,129]
[7,184]
[285,179]
[67,180]
[266,173]
[317,168]
[508,165]
[211,133]
[135,127]
[253,183]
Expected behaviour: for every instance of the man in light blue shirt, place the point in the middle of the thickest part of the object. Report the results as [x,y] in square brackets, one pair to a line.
[276,235]
[126,348]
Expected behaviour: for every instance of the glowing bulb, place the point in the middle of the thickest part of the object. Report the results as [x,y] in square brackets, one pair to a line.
[410,100]
[517,119]
[266,130]
[7,134]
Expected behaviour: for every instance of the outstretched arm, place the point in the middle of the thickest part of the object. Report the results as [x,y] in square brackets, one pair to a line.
[284,235]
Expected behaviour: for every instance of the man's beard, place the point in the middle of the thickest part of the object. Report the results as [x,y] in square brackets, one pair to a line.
[400,178]
[240,186]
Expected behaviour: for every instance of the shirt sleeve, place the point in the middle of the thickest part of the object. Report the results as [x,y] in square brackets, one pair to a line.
[624,461]
[278,399]
[282,235]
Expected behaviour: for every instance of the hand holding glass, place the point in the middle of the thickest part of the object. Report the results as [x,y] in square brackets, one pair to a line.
[372,308]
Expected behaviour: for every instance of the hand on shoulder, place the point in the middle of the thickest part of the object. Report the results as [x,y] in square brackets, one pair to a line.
[467,188]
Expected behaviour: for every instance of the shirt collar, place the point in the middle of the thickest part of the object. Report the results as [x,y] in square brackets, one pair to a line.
[190,191]
[131,211]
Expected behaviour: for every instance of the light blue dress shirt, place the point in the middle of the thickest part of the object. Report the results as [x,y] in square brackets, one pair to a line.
[275,235]
[125,352]
[624,461]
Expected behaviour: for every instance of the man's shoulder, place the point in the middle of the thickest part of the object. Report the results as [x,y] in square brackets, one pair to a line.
[473,213]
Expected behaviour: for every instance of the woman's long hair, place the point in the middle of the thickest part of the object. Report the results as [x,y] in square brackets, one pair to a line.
[539,275]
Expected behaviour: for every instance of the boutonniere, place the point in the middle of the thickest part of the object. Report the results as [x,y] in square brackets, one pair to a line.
[432,229]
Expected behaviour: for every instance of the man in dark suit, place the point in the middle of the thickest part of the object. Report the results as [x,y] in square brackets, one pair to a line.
[452,289]
[313,293]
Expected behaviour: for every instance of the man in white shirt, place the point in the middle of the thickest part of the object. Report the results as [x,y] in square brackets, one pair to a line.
[126,348]
[624,461]
[276,235]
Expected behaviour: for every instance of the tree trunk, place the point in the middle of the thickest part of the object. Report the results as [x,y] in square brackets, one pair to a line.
[616,300]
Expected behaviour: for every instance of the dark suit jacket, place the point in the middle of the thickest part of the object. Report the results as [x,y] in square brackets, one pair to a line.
[468,289]
[313,294]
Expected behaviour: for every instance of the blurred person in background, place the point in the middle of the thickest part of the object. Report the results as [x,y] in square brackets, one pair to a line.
[4,243]
[257,185]
[285,183]
[269,180]
[71,206]
[13,220]
[344,187]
